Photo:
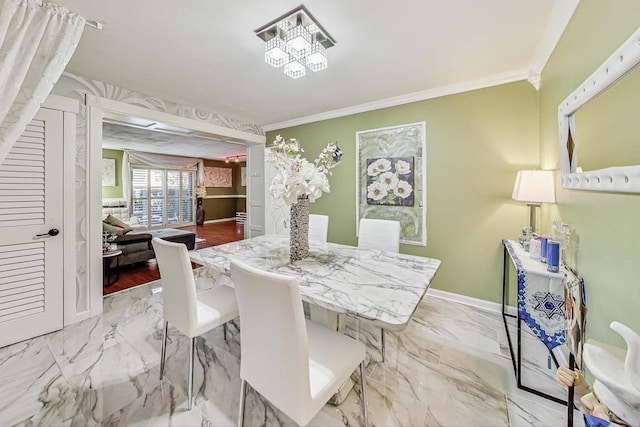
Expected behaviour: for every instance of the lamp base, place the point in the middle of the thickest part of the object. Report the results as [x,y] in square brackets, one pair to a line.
[533,217]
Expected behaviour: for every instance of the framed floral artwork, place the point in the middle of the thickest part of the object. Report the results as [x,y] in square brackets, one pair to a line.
[218,177]
[390,181]
[391,178]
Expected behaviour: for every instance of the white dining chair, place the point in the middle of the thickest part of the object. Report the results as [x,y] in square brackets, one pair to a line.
[384,235]
[318,228]
[297,365]
[191,313]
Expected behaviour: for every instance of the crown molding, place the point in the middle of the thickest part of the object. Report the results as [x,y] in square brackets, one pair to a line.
[560,16]
[453,89]
[534,78]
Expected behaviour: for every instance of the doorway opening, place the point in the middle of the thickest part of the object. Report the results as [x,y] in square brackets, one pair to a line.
[117,126]
[163,196]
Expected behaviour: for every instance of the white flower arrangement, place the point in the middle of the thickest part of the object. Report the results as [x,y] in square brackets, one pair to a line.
[388,185]
[296,177]
[201,191]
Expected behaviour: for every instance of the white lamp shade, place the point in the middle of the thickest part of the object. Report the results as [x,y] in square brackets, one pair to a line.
[534,186]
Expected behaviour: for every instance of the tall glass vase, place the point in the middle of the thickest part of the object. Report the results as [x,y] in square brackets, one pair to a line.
[300,229]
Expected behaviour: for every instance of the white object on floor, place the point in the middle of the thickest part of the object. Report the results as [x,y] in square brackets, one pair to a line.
[241,217]
[200,240]
[617,383]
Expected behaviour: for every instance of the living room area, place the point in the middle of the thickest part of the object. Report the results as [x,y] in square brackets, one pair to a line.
[199,202]
[208,234]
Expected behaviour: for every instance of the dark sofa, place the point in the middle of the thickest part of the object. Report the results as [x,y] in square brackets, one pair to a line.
[136,246]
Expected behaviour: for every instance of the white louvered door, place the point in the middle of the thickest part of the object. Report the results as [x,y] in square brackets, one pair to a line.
[31,286]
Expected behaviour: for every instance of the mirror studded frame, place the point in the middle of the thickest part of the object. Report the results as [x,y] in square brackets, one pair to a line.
[625,179]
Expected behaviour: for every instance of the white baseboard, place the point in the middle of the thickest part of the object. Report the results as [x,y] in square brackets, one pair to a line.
[491,306]
[220,220]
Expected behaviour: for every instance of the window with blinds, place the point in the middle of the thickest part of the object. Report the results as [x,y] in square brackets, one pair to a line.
[162,197]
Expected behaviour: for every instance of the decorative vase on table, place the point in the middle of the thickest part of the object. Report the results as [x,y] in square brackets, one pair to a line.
[300,229]
[299,182]
[199,212]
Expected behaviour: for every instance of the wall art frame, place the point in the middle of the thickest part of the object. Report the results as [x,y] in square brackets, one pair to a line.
[108,172]
[218,177]
[391,178]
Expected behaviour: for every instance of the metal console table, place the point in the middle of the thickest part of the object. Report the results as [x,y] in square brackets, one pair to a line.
[527,267]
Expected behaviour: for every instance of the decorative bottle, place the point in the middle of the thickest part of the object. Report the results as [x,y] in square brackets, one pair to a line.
[523,239]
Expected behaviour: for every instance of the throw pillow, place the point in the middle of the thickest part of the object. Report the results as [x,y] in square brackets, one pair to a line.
[112,229]
[115,222]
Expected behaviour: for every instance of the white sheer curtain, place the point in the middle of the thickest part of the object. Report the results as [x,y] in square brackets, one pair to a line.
[161,161]
[126,180]
[36,42]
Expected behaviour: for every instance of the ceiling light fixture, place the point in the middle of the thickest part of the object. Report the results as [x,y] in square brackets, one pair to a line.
[296,41]
[236,159]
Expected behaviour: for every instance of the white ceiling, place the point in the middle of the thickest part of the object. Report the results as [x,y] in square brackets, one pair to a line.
[204,53]
[118,137]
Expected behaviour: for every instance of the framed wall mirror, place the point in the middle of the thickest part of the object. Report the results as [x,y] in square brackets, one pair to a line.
[607,161]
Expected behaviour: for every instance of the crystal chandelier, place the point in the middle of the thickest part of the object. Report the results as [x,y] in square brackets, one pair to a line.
[296,41]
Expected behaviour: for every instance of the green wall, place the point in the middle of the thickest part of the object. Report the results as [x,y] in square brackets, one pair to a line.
[221,208]
[114,192]
[476,142]
[605,223]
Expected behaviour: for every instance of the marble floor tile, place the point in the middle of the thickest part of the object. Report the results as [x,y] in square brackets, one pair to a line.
[33,390]
[105,384]
[483,379]
[162,406]
[450,367]
[538,368]
[456,322]
[534,411]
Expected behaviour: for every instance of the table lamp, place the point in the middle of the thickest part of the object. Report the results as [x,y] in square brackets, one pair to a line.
[534,187]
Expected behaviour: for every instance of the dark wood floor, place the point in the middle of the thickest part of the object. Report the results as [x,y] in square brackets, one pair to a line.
[215,233]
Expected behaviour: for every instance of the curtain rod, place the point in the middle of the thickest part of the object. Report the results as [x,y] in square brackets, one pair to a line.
[95,24]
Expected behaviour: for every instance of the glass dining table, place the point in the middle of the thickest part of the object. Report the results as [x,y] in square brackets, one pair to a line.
[382,287]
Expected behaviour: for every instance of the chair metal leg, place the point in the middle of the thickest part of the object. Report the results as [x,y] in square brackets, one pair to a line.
[224,331]
[363,393]
[243,396]
[164,348]
[191,356]
[383,347]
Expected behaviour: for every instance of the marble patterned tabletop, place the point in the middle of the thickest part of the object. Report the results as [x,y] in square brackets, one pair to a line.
[382,287]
